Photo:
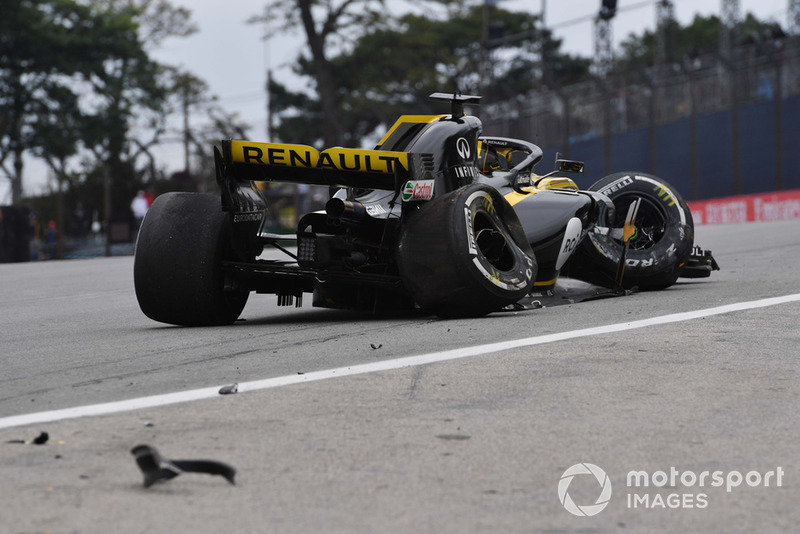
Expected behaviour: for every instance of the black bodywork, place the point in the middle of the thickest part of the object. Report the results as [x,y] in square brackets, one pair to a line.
[346,255]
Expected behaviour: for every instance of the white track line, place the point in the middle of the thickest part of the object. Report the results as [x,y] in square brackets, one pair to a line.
[423,359]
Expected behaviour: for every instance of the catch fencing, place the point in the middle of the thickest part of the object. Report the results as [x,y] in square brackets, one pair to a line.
[711,125]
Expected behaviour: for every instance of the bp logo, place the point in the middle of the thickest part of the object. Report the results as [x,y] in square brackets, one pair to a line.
[589,509]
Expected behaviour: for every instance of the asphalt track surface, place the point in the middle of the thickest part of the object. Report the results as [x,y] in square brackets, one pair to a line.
[353,423]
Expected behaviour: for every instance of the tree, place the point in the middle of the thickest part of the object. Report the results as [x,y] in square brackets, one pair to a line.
[44,44]
[701,36]
[80,91]
[56,135]
[136,87]
[190,96]
[126,84]
[94,51]
[388,68]
[328,25]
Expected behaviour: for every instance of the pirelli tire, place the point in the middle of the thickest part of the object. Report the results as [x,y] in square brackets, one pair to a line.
[177,268]
[658,250]
[465,254]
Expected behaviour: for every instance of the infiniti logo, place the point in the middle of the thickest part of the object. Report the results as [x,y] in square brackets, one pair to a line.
[462,147]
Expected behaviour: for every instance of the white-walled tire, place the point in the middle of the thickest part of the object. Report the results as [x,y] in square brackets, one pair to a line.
[658,250]
[465,254]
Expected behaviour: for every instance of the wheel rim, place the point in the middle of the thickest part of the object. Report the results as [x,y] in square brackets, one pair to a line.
[651,221]
[492,243]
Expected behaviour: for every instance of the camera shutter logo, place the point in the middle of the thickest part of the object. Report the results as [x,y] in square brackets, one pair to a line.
[584,469]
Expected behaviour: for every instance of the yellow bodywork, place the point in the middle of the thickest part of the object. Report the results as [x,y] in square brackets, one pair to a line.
[344,159]
[552,182]
[408,119]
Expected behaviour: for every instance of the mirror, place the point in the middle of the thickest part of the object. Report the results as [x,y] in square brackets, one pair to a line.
[568,165]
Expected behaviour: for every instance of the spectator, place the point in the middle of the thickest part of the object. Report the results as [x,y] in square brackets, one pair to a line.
[51,240]
[139,208]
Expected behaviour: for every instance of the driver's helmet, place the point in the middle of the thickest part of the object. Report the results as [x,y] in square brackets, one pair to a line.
[489,160]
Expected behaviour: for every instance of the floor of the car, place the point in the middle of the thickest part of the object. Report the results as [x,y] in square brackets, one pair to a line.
[565,291]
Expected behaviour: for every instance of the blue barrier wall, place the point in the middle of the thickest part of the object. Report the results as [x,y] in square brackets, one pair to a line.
[673,162]
[791,143]
[714,155]
[629,151]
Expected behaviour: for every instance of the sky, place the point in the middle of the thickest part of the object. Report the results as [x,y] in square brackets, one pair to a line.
[233,59]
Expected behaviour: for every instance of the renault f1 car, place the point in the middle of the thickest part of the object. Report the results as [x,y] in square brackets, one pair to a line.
[436,217]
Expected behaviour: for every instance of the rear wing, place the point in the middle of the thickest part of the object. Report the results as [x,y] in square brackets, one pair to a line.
[344,167]
[241,165]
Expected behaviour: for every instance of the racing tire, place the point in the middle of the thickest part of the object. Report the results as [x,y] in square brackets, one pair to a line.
[177,268]
[658,250]
[465,254]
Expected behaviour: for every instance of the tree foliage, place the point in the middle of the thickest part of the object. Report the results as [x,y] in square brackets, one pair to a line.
[80,91]
[74,74]
[43,46]
[382,70]
[329,26]
[700,37]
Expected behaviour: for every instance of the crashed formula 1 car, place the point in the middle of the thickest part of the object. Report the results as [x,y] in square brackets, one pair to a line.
[435,217]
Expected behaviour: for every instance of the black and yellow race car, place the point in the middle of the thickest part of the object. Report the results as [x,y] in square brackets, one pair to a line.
[436,217]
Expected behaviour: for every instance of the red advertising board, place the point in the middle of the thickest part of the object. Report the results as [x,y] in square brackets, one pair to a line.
[776,206]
